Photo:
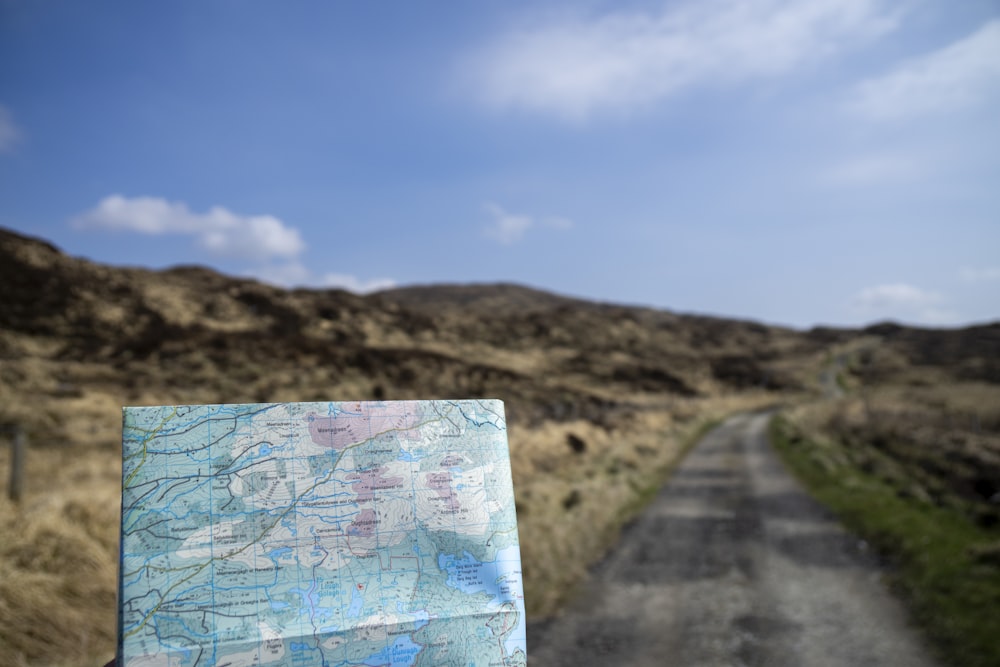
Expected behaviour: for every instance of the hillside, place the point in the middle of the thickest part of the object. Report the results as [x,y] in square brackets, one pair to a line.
[601,401]
[189,329]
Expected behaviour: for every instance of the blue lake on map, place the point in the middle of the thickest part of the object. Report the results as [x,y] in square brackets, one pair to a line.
[411,456]
[401,654]
[275,554]
[357,604]
[470,575]
[493,578]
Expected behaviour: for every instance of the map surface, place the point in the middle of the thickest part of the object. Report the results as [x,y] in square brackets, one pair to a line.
[294,534]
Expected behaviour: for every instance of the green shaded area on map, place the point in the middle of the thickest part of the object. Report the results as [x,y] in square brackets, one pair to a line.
[294,534]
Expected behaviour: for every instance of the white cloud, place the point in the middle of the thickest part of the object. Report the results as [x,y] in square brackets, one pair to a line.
[271,244]
[895,295]
[903,301]
[219,231]
[295,274]
[509,228]
[506,228]
[10,133]
[961,75]
[577,67]
[355,284]
[254,237]
[990,274]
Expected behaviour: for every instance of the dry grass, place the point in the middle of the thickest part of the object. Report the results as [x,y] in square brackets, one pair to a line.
[575,483]
[58,559]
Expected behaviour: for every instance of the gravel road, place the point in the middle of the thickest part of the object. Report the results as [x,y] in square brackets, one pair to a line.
[732,564]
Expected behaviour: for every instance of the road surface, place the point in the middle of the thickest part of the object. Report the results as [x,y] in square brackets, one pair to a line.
[732,564]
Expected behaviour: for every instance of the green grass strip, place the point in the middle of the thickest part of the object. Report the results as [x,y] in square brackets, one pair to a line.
[944,566]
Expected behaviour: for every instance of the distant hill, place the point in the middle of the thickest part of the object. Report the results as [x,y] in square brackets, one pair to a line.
[486,299]
[238,339]
[232,339]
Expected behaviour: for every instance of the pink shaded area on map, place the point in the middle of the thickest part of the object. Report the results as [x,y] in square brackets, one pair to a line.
[370,481]
[441,483]
[360,422]
[364,524]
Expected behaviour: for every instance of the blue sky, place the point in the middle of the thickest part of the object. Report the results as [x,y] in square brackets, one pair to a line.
[828,161]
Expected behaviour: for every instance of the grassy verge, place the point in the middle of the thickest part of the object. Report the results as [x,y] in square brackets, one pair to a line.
[945,566]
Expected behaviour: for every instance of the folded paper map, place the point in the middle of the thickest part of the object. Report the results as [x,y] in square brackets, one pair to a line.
[319,534]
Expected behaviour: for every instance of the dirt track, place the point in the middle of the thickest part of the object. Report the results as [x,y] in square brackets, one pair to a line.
[732,565]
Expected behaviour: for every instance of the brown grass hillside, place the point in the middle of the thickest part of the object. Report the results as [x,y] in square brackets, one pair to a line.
[601,400]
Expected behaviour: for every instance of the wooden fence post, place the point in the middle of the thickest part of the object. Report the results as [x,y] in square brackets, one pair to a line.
[18,445]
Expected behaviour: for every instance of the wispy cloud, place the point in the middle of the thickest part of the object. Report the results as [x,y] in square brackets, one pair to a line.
[985,275]
[218,231]
[274,247]
[903,301]
[962,75]
[621,61]
[894,295]
[10,133]
[509,228]
[504,227]
[295,274]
